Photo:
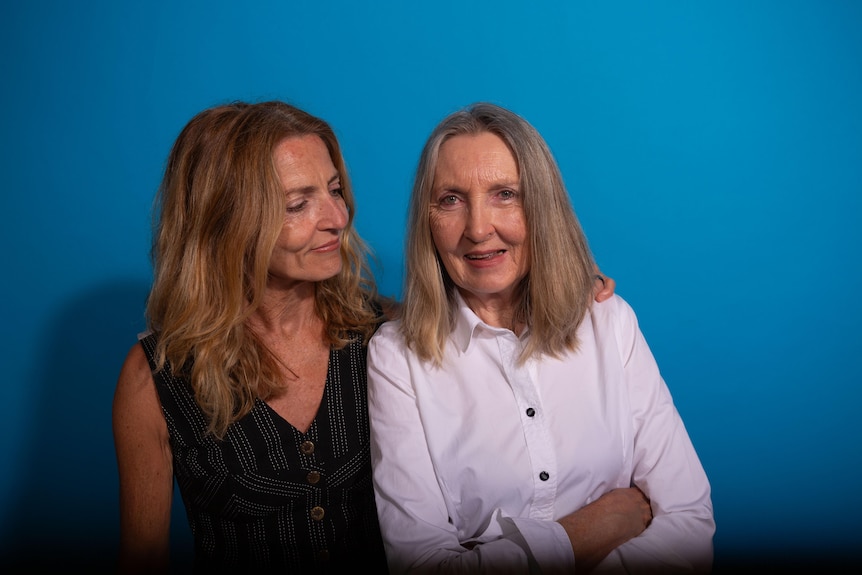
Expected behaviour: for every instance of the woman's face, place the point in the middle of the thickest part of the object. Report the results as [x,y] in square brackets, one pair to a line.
[308,248]
[477,219]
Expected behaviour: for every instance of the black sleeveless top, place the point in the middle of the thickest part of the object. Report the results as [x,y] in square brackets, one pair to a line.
[269,498]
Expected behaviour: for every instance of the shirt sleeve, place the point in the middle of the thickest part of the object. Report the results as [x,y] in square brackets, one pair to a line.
[665,467]
[412,505]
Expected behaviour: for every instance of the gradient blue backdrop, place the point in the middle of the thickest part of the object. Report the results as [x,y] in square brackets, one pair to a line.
[713,151]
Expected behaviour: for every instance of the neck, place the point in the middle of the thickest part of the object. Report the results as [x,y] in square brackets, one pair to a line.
[495,310]
[287,312]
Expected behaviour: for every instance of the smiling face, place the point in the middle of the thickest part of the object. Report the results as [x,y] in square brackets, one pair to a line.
[308,247]
[478,224]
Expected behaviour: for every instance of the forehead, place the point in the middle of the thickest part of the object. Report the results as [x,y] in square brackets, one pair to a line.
[484,156]
[302,161]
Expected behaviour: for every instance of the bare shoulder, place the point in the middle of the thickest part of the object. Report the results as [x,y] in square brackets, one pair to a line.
[135,374]
[136,404]
[136,359]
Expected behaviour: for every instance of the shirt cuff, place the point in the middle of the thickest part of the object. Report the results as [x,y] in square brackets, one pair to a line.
[548,544]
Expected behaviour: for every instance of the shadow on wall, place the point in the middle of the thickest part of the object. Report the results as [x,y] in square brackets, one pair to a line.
[66,512]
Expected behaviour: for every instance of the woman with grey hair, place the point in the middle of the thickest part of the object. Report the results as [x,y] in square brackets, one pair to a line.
[516,425]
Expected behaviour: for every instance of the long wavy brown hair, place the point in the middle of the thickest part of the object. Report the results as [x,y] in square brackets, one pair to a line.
[556,293]
[218,214]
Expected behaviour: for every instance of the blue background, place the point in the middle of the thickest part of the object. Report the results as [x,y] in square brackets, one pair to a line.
[713,151]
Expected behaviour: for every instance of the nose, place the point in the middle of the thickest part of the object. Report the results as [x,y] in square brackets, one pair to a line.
[479,225]
[333,214]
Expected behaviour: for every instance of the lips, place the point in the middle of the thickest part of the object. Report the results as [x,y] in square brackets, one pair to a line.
[328,247]
[484,256]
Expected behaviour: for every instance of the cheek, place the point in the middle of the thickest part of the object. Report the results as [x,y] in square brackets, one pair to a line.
[445,231]
[517,229]
[289,238]
[437,239]
[437,233]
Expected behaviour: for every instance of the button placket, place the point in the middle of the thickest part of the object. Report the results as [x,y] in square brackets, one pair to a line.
[522,379]
[313,477]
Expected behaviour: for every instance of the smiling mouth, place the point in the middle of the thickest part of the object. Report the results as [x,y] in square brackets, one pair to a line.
[487,256]
[328,246]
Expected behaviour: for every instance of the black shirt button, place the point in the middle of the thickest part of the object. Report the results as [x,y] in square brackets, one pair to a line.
[531,412]
[544,476]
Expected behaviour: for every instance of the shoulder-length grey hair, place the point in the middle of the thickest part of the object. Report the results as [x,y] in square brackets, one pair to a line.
[556,293]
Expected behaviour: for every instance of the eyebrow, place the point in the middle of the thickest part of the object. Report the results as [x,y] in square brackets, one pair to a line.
[497,185]
[309,189]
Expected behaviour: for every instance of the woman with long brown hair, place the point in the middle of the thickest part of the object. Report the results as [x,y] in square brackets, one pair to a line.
[250,388]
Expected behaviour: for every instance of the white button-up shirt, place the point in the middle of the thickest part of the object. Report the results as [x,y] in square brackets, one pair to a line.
[474,461]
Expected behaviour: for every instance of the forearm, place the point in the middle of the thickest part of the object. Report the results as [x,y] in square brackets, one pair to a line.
[590,543]
[600,527]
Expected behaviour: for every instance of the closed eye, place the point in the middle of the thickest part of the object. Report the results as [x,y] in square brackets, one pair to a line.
[297,207]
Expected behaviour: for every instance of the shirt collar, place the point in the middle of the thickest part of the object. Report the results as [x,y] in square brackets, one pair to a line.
[467,323]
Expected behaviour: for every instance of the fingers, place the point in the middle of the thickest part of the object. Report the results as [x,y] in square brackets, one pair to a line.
[603,287]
